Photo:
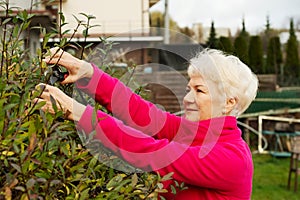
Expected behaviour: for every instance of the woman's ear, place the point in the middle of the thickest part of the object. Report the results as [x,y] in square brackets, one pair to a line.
[230,104]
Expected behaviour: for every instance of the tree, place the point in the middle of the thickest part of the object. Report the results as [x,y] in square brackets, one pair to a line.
[241,49]
[244,32]
[187,31]
[266,34]
[157,20]
[256,54]
[225,44]
[212,40]
[291,68]
[241,44]
[274,55]
[268,25]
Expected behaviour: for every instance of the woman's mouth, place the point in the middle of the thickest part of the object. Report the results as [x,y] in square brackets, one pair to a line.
[190,109]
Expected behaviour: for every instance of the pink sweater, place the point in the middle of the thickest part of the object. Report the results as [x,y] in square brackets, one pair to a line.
[209,156]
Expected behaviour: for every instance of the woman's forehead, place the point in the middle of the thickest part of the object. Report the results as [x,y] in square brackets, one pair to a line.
[197,79]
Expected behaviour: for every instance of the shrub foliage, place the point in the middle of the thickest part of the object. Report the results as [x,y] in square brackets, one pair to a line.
[41,155]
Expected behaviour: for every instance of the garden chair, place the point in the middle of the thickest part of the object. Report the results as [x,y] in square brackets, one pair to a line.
[294,161]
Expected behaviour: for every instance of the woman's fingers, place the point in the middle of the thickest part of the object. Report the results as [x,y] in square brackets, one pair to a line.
[47,107]
[47,91]
[52,96]
[59,61]
[57,56]
[55,52]
[77,69]
[69,79]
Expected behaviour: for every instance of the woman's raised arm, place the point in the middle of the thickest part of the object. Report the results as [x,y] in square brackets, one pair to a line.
[129,107]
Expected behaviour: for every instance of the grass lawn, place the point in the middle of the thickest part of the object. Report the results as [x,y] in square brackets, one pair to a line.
[270,179]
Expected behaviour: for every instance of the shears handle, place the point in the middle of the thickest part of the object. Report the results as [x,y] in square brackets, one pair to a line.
[59,74]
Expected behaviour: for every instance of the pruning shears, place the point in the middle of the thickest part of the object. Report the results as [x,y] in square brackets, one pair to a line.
[57,75]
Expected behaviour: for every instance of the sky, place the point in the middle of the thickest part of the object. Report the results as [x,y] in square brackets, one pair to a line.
[229,13]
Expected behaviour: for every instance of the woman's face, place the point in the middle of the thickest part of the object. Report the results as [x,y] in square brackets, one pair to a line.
[198,102]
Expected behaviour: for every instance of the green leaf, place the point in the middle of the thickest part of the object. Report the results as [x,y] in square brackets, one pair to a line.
[114,182]
[66,32]
[167,176]
[30,183]
[25,25]
[78,167]
[55,182]
[173,189]
[25,165]
[89,45]
[85,33]
[53,101]
[84,14]
[31,128]
[16,167]
[9,106]
[20,188]
[93,162]
[62,17]
[162,198]
[134,180]
[38,106]
[84,194]
[6,21]
[77,20]
[65,150]
[42,174]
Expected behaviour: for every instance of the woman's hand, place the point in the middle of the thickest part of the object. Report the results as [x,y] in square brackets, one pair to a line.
[70,107]
[77,69]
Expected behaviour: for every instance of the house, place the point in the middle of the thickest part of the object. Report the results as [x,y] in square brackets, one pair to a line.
[123,21]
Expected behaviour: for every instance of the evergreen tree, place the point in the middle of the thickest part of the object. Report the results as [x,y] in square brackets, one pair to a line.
[268,25]
[241,44]
[266,35]
[292,68]
[274,56]
[244,32]
[241,49]
[225,44]
[212,40]
[256,54]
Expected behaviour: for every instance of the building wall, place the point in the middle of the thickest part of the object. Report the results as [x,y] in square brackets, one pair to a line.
[126,18]
[25,4]
[113,16]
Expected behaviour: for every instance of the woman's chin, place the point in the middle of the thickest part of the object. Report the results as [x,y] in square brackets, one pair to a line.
[191,118]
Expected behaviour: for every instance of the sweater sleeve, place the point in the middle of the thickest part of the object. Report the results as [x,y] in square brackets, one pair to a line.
[129,107]
[219,169]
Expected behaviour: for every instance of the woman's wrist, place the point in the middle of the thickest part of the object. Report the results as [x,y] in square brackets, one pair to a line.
[88,70]
[77,111]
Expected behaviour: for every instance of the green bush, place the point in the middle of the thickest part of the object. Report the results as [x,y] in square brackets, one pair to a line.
[41,155]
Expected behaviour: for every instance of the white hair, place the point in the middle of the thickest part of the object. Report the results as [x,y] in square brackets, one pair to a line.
[232,76]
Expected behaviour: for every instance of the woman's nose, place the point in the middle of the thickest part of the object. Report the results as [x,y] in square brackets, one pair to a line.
[189,97]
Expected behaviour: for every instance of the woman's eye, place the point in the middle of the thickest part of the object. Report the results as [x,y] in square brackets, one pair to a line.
[198,90]
[187,90]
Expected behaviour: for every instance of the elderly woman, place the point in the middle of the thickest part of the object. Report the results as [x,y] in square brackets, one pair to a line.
[204,148]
